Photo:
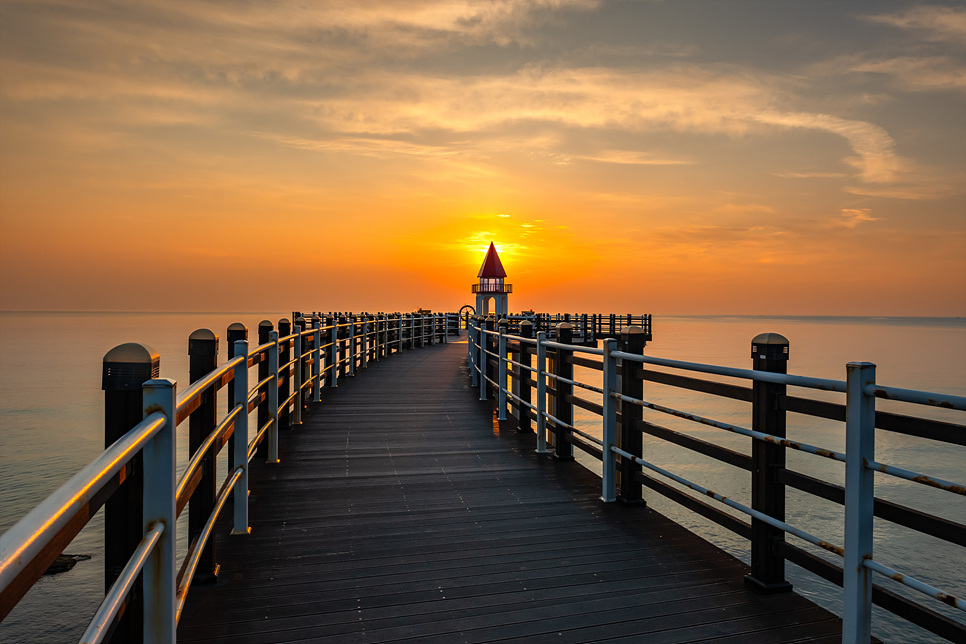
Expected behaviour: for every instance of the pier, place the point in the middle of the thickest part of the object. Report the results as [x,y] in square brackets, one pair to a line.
[411,515]
[393,478]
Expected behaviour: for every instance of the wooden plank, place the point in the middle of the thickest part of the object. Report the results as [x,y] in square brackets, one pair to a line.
[412,515]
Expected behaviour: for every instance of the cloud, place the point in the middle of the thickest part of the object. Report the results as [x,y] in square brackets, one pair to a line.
[872,143]
[918,73]
[341,79]
[631,157]
[852,217]
[933,22]
[810,175]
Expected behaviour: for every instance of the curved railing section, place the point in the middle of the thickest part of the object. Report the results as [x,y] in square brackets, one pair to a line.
[294,364]
[542,391]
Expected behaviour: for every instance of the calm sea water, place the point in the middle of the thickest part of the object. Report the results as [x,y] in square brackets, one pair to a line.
[51,415]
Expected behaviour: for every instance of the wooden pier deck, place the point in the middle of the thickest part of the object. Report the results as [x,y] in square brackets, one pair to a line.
[403,512]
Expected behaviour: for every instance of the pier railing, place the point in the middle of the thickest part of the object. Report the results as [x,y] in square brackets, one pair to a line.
[135,477]
[542,396]
[585,327]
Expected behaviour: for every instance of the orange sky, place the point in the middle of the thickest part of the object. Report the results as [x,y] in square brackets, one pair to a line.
[664,157]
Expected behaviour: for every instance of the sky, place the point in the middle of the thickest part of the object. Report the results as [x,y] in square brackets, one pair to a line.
[678,157]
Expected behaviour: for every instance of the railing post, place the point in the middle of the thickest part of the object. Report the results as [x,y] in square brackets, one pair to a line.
[487,325]
[524,357]
[631,438]
[316,359]
[770,353]
[160,479]
[202,359]
[501,373]
[472,350]
[302,323]
[859,497]
[613,324]
[271,436]
[240,438]
[341,354]
[297,372]
[364,349]
[236,331]
[609,424]
[352,344]
[541,393]
[379,340]
[284,376]
[265,328]
[126,367]
[412,330]
[332,351]
[563,408]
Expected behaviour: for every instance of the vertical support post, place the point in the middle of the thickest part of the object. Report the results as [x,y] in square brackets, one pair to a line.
[285,374]
[501,373]
[271,436]
[364,350]
[613,325]
[352,345]
[126,367]
[160,479]
[563,408]
[202,359]
[541,393]
[526,377]
[316,359]
[380,342]
[302,324]
[332,352]
[770,353]
[297,374]
[487,325]
[859,497]
[631,439]
[236,331]
[472,350]
[265,410]
[609,422]
[240,438]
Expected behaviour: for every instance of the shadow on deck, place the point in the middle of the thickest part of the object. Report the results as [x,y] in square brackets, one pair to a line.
[403,512]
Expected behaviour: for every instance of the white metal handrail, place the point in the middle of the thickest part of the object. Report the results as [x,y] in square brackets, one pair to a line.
[860,421]
[36,530]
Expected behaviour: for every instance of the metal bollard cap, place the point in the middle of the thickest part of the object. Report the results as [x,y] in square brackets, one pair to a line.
[769,346]
[127,366]
[239,328]
[203,342]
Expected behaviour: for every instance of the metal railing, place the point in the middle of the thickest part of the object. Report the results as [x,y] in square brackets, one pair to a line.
[294,365]
[494,356]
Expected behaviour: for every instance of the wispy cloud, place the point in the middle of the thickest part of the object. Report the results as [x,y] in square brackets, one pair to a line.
[934,22]
[852,217]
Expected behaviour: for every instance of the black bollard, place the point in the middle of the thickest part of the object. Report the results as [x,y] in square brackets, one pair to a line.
[126,368]
[770,353]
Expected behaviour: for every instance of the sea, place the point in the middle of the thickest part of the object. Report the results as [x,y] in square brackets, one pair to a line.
[51,425]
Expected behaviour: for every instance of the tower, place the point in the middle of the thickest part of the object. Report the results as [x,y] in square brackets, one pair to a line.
[491,286]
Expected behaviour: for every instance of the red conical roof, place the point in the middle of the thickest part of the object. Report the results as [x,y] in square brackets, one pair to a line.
[492,266]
